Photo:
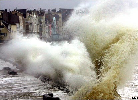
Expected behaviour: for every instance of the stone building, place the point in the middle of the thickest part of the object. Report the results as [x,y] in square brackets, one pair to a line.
[35,22]
[4,32]
[22,16]
[9,23]
[38,22]
[61,17]
[32,26]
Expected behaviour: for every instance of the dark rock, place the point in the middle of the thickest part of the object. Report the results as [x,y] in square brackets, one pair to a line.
[12,73]
[43,78]
[49,96]
[46,96]
[6,69]
[55,98]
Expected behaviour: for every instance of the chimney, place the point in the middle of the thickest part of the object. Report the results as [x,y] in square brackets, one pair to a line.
[48,10]
[5,10]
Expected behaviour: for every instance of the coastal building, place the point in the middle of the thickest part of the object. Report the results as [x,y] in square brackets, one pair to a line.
[11,23]
[32,26]
[22,16]
[14,24]
[46,24]
[4,26]
[35,22]
[3,29]
[66,13]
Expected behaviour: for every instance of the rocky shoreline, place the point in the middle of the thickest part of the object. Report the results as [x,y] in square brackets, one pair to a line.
[24,86]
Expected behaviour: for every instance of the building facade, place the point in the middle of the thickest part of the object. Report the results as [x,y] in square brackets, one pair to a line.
[39,22]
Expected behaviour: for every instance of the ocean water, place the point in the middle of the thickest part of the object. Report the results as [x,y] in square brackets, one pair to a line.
[98,64]
[130,88]
[24,86]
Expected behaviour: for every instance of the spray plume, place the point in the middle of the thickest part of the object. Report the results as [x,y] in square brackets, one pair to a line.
[64,62]
[107,42]
[109,32]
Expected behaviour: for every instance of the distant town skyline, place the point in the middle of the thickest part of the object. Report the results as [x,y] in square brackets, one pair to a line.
[36,4]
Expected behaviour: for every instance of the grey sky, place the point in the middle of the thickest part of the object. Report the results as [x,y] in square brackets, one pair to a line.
[44,4]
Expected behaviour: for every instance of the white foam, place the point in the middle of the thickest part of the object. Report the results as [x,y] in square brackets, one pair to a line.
[65,61]
[109,32]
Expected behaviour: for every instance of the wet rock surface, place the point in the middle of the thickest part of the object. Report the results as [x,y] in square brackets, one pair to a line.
[49,96]
[12,72]
[7,70]
[60,85]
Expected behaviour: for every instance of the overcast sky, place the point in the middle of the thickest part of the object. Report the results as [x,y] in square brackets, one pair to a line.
[36,4]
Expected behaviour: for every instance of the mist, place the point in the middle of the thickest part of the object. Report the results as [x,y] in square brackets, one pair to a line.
[64,62]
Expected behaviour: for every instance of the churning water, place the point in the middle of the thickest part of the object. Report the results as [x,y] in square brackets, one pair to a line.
[109,32]
[97,62]
[62,62]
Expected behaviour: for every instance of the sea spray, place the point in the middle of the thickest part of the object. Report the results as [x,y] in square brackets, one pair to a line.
[109,32]
[114,61]
[65,63]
